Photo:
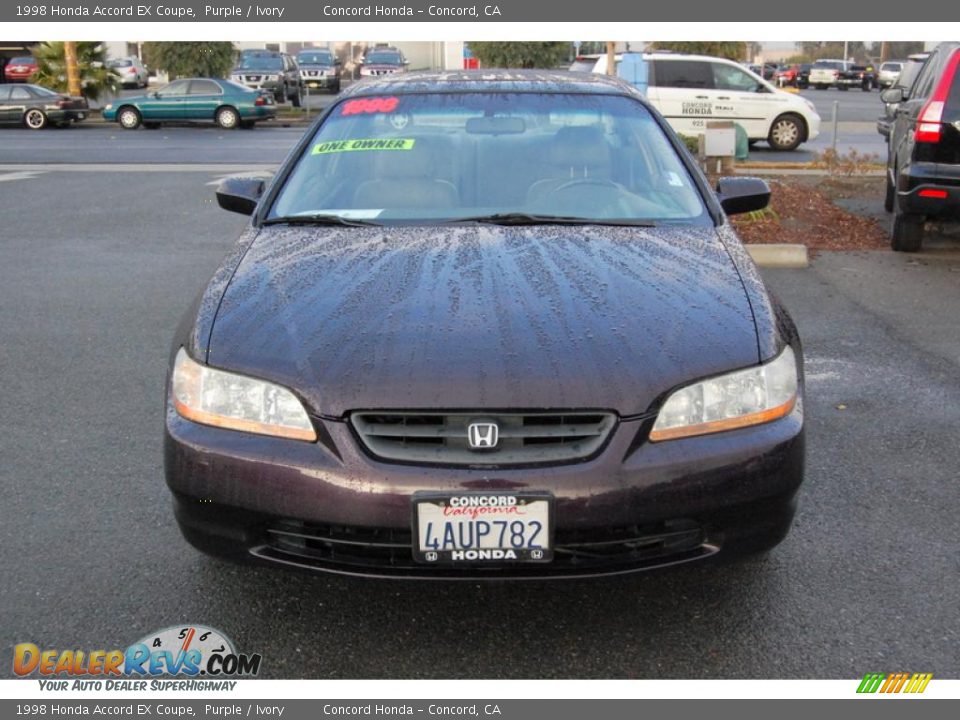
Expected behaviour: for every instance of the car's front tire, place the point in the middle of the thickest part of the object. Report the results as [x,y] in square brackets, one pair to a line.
[129,118]
[786,132]
[228,118]
[35,119]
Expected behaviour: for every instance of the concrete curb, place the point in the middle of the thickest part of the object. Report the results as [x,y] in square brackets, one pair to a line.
[780,255]
[788,171]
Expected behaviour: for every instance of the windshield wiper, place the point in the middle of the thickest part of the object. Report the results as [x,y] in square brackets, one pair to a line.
[518,218]
[319,219]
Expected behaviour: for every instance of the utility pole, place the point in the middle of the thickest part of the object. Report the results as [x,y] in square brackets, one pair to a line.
[611,58]
[884,52]
[845,56]
[73,70]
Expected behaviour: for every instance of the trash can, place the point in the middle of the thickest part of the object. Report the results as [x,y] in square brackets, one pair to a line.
[742,151]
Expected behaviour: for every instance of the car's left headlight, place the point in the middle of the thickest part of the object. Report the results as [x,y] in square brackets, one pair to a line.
[735,400]
[108,106]
[223,399]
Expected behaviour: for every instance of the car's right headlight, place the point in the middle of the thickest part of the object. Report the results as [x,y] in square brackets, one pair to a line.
[108,106]
[735,400]
[223,399]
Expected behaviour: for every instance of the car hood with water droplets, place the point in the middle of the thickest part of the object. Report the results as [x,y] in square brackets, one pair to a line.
[484,317]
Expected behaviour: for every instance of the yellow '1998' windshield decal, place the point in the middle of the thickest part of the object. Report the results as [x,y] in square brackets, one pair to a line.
[335,146]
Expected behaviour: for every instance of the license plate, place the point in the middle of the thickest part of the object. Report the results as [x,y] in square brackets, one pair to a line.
[493,528]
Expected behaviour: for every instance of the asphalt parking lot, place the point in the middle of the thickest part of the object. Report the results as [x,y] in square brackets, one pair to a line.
[101,142]
[96,266]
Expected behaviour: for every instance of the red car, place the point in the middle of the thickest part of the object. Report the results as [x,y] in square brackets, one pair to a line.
[787,74]
[19,69]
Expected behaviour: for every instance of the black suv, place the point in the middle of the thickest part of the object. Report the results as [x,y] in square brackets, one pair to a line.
[923,164]
[319,69]
[273,72]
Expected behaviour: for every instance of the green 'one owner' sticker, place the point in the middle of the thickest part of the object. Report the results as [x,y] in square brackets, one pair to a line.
[335,146]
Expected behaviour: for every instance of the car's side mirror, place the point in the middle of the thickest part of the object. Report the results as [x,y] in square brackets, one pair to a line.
[742,194]
[894,95]
[239,195]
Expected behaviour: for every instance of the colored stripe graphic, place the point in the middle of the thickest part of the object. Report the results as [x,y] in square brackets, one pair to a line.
[918,683]
[894,682]
[870,683]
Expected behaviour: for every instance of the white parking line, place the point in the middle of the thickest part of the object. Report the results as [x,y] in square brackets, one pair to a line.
[19,175]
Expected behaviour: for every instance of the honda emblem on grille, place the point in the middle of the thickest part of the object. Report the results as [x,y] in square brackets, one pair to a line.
[483,435]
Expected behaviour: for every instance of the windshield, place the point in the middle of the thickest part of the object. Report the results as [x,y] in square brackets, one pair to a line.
[22,61]
[43,92]
[315,58]
[382,58]
[448,156]
[120,63]
[828,65]
[260,62]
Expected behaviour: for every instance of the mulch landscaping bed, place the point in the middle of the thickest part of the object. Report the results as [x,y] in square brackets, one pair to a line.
[803,211]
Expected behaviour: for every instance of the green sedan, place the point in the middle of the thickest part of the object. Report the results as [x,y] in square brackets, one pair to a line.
[226,103]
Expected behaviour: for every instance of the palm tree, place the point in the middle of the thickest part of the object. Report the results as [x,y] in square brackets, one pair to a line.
[96,77]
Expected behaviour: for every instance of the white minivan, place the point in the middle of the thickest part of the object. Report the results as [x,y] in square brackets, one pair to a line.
[689,90]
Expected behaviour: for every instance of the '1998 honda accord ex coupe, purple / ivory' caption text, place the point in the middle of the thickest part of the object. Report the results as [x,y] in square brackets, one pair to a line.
[486,325]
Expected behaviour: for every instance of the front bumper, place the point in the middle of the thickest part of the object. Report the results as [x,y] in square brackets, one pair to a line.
[930,189]
[320,82]
[637,505]
[272,86]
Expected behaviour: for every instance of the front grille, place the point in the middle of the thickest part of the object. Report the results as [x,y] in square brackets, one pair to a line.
[443,439]
[388,552]
[253,78]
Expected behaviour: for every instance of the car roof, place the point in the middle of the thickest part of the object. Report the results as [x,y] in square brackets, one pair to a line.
[542,81]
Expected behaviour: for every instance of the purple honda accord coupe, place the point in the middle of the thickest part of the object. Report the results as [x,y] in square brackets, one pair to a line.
[486,325]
